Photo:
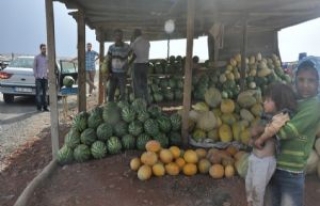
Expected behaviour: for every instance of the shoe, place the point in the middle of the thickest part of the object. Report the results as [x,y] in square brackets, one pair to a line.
[39,110]
[46,110]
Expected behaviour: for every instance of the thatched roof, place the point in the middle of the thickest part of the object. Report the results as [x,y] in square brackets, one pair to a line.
[149,15]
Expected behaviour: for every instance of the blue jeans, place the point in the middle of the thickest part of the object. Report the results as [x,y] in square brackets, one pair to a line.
[117,80]
[139,81]
[287,188]
[41,93]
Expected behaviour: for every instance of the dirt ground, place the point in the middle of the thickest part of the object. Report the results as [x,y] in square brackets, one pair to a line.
[110,182]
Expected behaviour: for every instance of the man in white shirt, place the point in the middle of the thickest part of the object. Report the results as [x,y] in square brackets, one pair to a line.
[140,47]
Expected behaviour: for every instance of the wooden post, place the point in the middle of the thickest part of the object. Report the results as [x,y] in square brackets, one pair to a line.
[188,73]
[82,100]
[54,114]
[101,75]
[243,54]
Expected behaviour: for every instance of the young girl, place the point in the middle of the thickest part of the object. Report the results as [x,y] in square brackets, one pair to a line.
[278,104]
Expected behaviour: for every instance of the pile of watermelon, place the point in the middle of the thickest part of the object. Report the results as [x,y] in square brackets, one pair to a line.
[118,126]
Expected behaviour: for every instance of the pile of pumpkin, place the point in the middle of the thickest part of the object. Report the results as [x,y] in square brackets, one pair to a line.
[157,161]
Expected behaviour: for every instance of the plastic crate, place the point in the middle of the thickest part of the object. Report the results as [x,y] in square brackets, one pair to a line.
[69,90]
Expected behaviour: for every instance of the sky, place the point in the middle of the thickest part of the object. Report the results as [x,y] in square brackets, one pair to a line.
[22,31]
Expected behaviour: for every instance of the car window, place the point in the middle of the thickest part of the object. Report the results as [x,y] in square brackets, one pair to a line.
[68,67]
[22,63]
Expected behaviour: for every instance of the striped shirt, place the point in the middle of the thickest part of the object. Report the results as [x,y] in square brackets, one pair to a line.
[90,60]
[40,67]
[119,57]
[298,135]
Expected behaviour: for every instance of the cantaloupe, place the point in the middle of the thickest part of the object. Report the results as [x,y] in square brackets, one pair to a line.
[190,156]
[201,152]
[153,146]
[172,168]
[216,171]
[180,162]
[175,151]
[189,169]
[165,155]
[158,169]
[149,158]
[144,172]
[135,163]
[229,171]
[204,166]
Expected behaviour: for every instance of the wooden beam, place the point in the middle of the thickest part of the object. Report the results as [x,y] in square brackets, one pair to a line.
[54,114]
[101,75]
[188,73]
[82,99]
[243,54]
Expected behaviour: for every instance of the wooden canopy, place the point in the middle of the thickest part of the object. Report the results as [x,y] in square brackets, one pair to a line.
[150,15]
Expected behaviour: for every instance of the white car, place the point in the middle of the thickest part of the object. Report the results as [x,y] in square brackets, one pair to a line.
[17,78]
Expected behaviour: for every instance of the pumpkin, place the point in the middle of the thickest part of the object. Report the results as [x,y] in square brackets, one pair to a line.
[229,171]
[158,169]
[204,166]
[189,169]
[144,172]
[165,156]
[190,156]
[175,151]
[135,163]
[216,171]
[149,158]
[172,168]
[153,146]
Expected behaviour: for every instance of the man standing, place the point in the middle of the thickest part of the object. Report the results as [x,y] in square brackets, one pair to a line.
[40,71]
[90,67]
[140,47]
[118,55]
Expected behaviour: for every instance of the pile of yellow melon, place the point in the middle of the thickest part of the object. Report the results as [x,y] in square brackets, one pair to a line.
[157,161]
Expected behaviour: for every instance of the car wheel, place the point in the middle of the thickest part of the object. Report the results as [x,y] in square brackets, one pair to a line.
[8,98]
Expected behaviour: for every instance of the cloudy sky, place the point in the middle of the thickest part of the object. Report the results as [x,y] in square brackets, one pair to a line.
[22,30]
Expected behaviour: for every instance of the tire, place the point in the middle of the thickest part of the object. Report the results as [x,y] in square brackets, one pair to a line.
[8,98]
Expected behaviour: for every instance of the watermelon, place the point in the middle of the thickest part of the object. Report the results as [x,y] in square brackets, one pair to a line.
[98,149]
[65,155]
[122,104]
[139,104]
[95,118]
[175,121]
[82,153]
[111,113]
[68,81]
[88,136]
[142,141]
[163,139]
[151,127]
[104,131]
[120,129]
[80,121]
[72,138]
[128,142]
[128,114]
[143,115]
[135,128]
[155,111]
[114,145]
[175,138]
[164,123]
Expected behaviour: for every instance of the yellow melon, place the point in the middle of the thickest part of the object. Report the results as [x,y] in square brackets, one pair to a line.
[149,158]
[180,162]
[175,151]
[172,168]
[202,153]
[158,169]
[144,172]
[204,166]
[190,156]
[229,171]
[227,106]
[216,171]
[225,133]
[153,146]
[135,163]
[189,169]
[165,156]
